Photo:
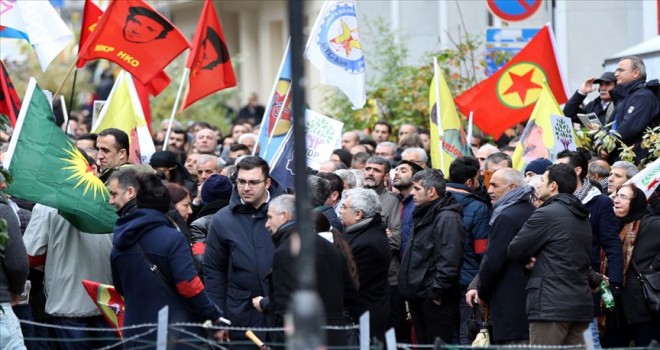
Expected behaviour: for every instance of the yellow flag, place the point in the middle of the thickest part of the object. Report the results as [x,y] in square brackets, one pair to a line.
[123,111]
[537,140]
[446,130]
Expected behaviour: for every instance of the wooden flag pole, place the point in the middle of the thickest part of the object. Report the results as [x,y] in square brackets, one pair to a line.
[186,70]
[66,77]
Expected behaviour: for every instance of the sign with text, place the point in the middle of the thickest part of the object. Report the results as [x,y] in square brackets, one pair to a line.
[323,135]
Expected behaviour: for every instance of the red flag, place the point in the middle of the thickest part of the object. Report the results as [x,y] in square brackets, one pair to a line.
[109,302]
[209,62]
[508,96]
[136,37]
[91,15]
[10,105]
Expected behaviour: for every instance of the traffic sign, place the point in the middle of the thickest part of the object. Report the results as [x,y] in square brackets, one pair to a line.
[507,41]
[513,10]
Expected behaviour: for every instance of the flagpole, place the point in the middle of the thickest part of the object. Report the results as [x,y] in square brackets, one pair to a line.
[66,77]
[73,88]
[441,131]
[469,130]
[186,70]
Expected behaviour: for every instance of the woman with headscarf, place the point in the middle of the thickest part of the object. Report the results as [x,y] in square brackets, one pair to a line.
[640,234]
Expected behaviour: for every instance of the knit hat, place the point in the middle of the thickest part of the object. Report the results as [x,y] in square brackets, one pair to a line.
[164,159]
[538,166]
[216,187]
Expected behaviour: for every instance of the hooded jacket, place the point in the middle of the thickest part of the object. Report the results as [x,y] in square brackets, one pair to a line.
[558,235]
[145,293]
[432,260]
[239,253]
[476,215]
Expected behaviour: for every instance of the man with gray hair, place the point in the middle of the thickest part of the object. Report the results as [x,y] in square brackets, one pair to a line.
[620,172]
[501,282]
[416,155]
[347,177]
[386,150]
[599,171]
[365,233]
[636,104]
[430,268]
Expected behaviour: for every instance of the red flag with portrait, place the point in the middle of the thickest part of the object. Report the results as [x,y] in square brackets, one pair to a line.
[209,62]
[136,37]
[10,105]
[508,97]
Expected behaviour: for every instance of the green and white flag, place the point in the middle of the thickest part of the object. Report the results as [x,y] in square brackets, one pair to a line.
[47,168]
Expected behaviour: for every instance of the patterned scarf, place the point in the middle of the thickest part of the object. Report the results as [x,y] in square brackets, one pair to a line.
[581,194]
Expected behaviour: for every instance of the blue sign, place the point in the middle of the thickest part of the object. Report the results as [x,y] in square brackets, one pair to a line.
[507,41]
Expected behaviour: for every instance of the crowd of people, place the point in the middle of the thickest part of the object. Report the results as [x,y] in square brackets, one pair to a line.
[205,230]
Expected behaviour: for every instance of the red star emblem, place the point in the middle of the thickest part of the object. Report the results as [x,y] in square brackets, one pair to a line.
[521,83]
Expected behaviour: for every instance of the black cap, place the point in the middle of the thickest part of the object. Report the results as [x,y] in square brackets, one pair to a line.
[607,77]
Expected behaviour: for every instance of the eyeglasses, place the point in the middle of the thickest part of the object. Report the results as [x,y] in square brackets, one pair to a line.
[249,183]
[624,197]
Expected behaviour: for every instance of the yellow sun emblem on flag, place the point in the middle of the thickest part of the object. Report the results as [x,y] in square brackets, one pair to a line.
[83,173]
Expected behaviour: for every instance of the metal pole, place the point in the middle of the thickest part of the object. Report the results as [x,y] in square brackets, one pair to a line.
[306,307]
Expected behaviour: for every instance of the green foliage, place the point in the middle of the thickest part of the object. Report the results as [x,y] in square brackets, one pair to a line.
[397,91]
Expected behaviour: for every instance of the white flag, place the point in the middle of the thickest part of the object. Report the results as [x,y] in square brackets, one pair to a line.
[648,179]
[335,49]
[44,28]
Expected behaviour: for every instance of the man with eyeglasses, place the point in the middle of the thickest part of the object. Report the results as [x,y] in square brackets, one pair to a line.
[637,106]
[239,248]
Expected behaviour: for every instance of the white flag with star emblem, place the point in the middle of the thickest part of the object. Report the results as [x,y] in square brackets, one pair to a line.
[335,49]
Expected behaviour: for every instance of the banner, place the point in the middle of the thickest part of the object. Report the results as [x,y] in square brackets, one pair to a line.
[508,96]
[123,111]
[136,37]
[39,24]
[47,168]
[209,62]
[648,179]
[335,49]
[322,135]
[448,139]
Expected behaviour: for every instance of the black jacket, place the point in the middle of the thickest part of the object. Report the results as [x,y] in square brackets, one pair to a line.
[371,252]
[636,108]
[333,284]
[502,282]
[432,261]
[574,106]
[558,234]
[239,253]
[645,254]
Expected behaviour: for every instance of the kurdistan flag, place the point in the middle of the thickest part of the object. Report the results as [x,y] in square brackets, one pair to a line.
[109,302]
[48,168]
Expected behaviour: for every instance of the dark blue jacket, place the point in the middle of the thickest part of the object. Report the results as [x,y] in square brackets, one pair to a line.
[331,214]
[476,216]
[636,107]
[605,229]
[407,209]
[144,292]
[239,254]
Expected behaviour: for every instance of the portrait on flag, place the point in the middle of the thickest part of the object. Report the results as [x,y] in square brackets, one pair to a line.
[209,61]
[148,41]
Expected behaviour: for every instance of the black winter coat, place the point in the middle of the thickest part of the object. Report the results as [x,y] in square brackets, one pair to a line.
[502,282]
[239,254]
[645,254]
[432,261]
[559,235]
[371,252]
[333,283]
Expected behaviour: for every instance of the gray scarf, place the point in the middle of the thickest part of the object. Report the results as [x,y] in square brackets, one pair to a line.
[358,225]
[581,194]
[510,198]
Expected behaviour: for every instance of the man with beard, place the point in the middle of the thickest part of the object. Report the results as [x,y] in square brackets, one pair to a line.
[430,267]
[376,173]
